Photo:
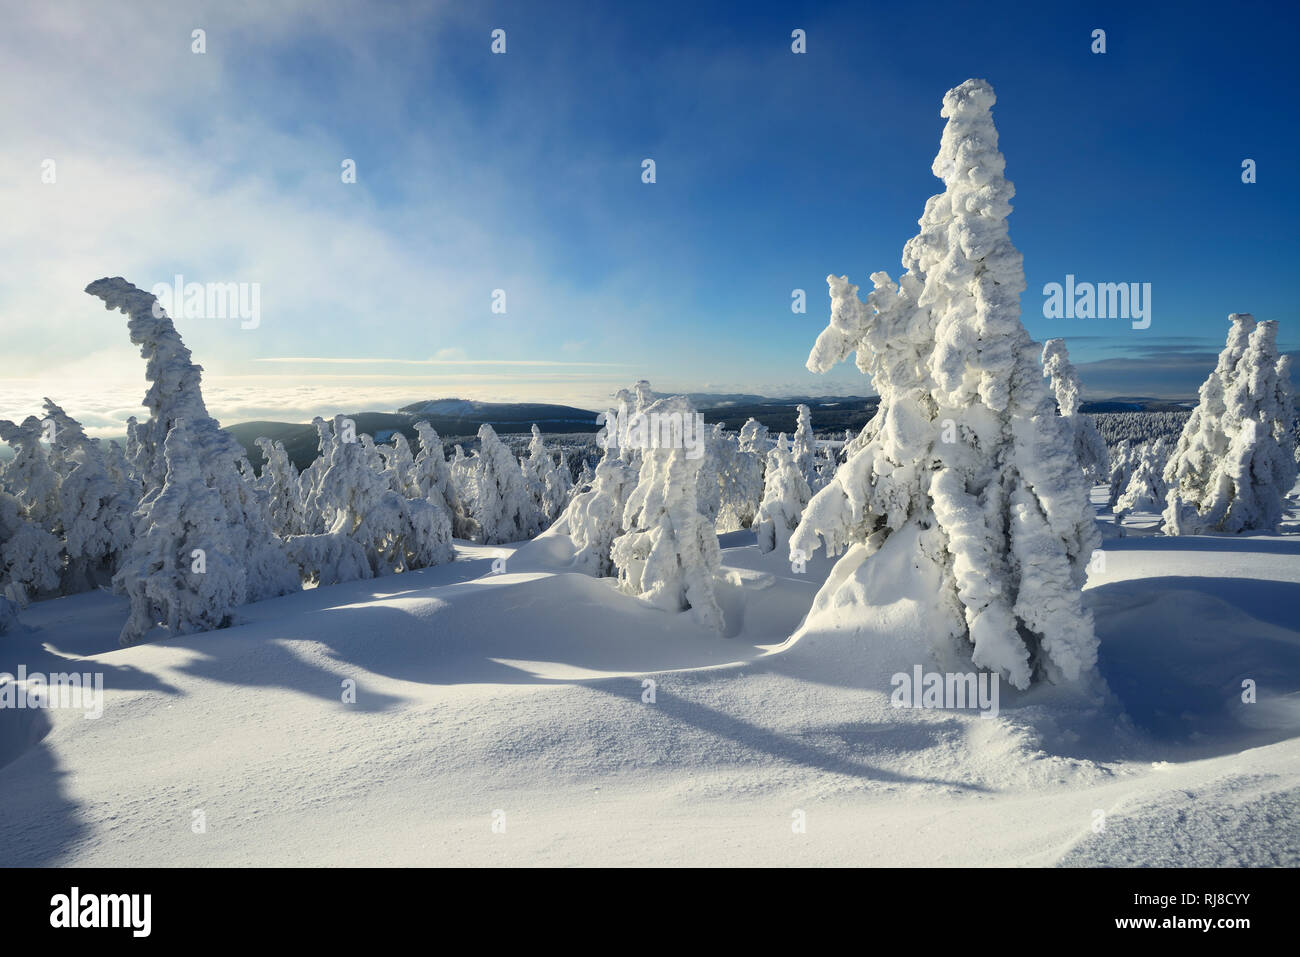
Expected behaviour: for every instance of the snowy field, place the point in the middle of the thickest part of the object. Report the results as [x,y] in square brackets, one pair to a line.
[501,717]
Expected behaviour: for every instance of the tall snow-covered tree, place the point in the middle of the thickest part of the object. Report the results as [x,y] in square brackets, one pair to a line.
[399,466]
[503,508]
[1089,446]
[740,481]
[1123,459]
[175,394]
[434,478]
[594,518]
[669,555]
[966,451]
[548,483]
[754,437]
[30,476]
[1235,460]
[31,558]
[803,447]
[785,496]
[279,482]
[826,464]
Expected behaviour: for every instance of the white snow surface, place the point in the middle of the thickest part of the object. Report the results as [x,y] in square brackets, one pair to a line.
[518,687]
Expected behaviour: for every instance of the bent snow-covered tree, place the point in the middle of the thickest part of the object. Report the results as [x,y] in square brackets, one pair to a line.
[966,451]
[175,395]
[1089,446]
[1235,460]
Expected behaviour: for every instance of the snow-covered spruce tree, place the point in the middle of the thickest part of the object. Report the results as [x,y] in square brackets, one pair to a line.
[754,437]
[669,555]
[352,498]
[740,481]
[803,447]
[594,518]
[462,469]
[503,509]
[31,558]
[95,519]
[399,466]
[434,477]
[708,482]
[966,451]
[583,482]
[1123,458]
[785,496]
[548,483]
[184,570]
[1235,460]
[175,394]
[826,464]
[1089,446]
[279,482]
[30,476]
[309,480]
[559,485]
[1146,490]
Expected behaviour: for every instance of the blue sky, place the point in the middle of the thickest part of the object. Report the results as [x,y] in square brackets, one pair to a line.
[522,172]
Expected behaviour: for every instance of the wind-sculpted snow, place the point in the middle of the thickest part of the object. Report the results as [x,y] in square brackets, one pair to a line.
[966,447]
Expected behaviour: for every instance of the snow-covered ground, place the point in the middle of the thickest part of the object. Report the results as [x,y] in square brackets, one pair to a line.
[514,695]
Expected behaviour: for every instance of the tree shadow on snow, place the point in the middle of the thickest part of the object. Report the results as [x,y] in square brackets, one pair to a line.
[841,749]
[38,821]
